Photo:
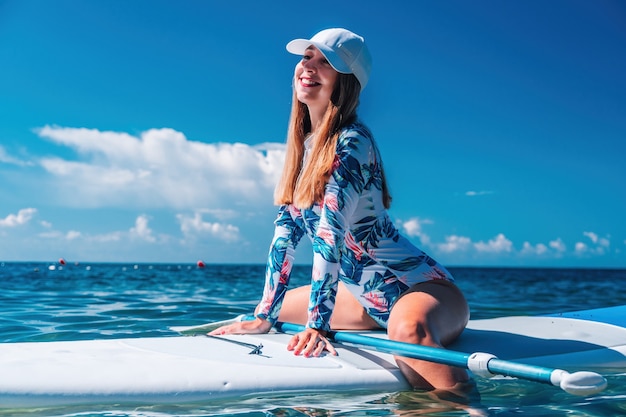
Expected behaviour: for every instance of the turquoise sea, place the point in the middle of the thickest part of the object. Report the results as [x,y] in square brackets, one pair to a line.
[45,302]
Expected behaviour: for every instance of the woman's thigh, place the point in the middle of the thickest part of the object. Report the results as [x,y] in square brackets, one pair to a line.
[348,314]
[431,312]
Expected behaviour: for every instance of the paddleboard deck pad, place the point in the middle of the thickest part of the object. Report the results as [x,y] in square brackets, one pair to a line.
[182,369]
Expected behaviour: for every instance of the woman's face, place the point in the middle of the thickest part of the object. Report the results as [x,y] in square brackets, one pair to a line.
[315,79]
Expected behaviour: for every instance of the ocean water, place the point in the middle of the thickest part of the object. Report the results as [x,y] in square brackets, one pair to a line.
[44,302]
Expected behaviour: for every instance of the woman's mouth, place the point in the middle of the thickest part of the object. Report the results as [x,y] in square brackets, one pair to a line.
[307,82]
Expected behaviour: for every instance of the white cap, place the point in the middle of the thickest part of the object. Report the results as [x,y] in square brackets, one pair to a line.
[345,51]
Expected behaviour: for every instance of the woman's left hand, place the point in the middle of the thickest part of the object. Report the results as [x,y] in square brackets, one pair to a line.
[310,342]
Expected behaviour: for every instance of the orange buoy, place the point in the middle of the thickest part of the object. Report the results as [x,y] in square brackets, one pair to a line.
[61,261]
[200,264]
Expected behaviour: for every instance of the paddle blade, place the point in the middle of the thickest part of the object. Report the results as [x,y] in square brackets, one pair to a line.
[581,383]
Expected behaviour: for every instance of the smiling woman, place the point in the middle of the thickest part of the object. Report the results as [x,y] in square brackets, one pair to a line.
[333,189]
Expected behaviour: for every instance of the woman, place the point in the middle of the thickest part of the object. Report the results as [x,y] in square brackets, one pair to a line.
[333,188]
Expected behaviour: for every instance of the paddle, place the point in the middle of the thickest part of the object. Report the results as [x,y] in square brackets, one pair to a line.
[480,364]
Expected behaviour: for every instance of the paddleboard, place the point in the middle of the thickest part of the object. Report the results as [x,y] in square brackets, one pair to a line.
[181,369]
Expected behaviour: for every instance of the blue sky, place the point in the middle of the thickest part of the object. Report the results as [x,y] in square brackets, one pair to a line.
[153,131]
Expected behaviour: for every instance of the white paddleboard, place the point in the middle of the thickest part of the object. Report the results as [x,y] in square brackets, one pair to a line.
[566,341]
[186,369]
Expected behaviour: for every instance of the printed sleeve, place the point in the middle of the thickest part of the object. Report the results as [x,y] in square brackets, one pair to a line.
[287,234]
[348,179]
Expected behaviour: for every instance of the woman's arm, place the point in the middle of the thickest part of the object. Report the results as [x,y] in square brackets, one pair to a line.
[355,156]
[287,234]
[286,237]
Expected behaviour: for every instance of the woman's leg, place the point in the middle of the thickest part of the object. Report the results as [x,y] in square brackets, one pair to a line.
[431,313]
[348,314]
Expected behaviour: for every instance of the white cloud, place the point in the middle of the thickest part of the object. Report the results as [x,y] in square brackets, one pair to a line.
[498,244]
[477,193]
[22,217]
[598,246]
[221,214]
[58,235]
[592,236]
[73,234]
[413,228]
[193,226]
[558,245]
[160,168]
[455,244]
[8,159]
[555,248]
[603,242]
[539,249]
[581,248]
[141,230]
[115,236]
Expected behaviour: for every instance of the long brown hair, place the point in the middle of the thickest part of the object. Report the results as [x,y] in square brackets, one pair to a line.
[304,185]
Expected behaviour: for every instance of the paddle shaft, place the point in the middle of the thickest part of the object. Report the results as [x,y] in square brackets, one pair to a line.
[431,354]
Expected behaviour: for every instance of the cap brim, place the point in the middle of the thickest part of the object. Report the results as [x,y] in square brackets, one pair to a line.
[299,47]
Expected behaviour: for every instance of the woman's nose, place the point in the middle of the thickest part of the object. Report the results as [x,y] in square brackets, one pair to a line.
[308,64]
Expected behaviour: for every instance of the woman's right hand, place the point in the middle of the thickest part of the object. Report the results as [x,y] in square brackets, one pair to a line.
[255,326]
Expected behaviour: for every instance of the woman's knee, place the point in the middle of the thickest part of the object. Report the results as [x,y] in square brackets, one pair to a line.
[414,329]
[411,319]
[431,313]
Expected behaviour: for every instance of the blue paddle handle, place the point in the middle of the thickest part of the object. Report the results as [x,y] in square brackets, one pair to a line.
[482,364]
[493,365]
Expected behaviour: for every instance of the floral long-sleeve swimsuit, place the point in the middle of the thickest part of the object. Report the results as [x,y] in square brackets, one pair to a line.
[353,241]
